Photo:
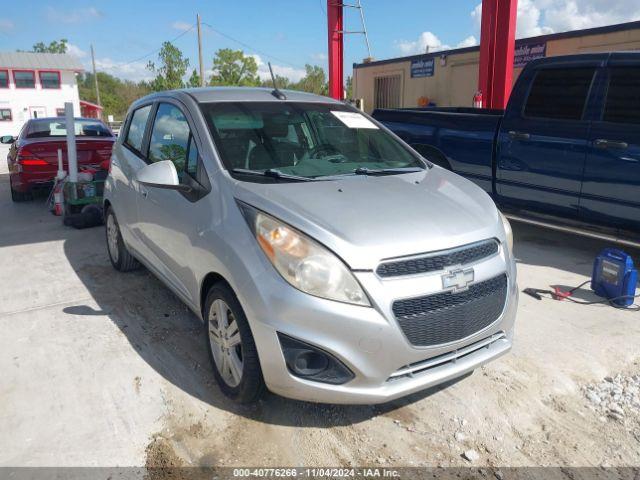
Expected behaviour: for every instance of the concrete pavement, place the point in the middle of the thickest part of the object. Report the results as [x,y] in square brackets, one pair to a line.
[100,368]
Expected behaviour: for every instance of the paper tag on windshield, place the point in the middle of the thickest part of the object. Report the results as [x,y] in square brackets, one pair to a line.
[354,120]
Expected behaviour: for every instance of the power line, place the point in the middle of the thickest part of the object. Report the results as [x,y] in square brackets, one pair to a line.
[229,37]
[249,47]
[157,49]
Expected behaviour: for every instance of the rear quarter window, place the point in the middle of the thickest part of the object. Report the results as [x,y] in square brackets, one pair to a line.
[559,93]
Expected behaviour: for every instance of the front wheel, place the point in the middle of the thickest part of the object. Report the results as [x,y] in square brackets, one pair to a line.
[120,257]
[231,346]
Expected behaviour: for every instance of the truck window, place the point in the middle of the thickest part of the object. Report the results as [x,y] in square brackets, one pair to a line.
[623,96]
[559,93]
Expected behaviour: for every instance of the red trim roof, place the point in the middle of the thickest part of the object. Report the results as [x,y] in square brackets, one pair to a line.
[90,105]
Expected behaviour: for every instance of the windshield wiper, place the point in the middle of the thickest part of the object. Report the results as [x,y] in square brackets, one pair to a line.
[386,171]
[272,173]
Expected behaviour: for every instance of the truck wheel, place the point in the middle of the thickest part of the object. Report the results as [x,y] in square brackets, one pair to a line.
[231,346]
[120,257]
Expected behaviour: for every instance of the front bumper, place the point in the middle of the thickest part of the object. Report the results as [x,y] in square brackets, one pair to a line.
[368,341]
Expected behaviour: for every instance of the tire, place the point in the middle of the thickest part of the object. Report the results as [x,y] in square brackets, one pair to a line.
[19,196]
[241,382]
[120,257]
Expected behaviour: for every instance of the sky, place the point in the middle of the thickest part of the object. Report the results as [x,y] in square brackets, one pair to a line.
[126,34]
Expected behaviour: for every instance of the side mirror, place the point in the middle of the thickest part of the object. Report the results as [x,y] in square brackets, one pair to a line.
[7,139]
[161,175]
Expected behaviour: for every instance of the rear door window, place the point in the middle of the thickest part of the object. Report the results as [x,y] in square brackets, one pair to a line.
[623,96]
[559,93]
[135,134]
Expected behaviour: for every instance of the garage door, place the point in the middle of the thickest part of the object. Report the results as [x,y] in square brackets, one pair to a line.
[387,91]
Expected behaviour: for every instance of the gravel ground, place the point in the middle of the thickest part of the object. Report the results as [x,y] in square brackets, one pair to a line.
[615,397]
[101,368]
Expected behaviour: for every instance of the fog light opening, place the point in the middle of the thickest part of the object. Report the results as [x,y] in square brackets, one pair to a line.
[312,363]
[308,362]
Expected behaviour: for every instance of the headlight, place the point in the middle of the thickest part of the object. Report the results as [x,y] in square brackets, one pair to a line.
[507,231]
[303,262]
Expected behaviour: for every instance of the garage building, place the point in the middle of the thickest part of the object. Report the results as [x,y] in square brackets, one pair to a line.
[450,77]
[35,85]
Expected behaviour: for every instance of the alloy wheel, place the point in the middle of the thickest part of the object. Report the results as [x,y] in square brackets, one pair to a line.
[112,238]
[226,345]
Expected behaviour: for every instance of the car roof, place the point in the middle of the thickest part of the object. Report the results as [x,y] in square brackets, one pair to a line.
[239,94]
[62,119]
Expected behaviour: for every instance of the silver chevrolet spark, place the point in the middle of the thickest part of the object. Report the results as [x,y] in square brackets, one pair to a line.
[328,261]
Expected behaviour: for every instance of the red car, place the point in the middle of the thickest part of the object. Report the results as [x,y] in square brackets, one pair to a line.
[33,156]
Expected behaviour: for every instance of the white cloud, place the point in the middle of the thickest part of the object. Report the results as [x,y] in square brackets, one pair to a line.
[180,25]
[426,40]
[6,25]
[79,15]
[540,17]
[293,74]
[75,51]
[430,41]
[319,57]
[135,71]
[470,41]
[573,15]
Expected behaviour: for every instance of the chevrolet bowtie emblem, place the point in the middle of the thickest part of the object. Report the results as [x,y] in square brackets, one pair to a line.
[458,279]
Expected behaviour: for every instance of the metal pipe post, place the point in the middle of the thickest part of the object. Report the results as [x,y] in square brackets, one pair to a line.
[336,49]
[72,157]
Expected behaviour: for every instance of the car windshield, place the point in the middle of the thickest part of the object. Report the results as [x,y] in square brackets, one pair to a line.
[52,127]
[303,139]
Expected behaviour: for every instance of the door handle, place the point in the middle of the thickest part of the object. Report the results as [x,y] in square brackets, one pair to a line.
[144,193]
[603,143]
[519,135]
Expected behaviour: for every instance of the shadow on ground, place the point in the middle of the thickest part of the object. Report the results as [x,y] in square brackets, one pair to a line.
[171,340]
[559,250]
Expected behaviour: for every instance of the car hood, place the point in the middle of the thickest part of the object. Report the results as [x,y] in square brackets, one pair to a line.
[365,219]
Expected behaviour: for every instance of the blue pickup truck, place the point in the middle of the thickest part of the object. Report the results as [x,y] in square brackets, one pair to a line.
[564,154]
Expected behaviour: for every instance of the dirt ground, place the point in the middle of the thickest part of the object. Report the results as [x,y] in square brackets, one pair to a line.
[101,368]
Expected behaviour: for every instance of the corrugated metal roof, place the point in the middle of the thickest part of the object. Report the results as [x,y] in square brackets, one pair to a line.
[30,60]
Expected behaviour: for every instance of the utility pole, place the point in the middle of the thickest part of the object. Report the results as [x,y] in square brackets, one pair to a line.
[95,79]
[200,51]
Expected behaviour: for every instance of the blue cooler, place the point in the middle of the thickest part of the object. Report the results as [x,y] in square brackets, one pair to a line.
[614,276]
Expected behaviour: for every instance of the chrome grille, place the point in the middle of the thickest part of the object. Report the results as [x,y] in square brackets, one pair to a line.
[447,317]
[439,260]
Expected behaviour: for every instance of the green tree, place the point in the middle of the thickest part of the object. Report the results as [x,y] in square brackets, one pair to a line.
[194,79]
[315,81]
[171,69]
[233,68]
[282,82]
[57,46]
[349,87]
[115,94]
